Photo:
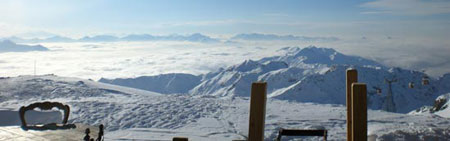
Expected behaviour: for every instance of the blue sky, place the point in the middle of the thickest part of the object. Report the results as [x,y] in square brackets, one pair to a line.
[298,17]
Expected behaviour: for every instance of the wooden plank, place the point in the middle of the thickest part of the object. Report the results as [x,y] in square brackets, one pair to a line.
[180,139]
[257,111]
[351,77]
[359,112]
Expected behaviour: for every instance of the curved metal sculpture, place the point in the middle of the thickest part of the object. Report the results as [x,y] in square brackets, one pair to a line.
[44,106]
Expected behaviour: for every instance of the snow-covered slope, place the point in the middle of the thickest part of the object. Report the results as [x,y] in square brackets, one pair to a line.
[330,88]
[311,55]
[296,84]
[309,74]
[235,80]
[165,83]
[281,71]
[54,87]
[440,107]
[442,103]
[140,115]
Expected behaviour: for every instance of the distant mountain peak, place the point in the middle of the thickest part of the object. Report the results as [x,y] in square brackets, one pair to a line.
[317,49]
[245,66]
[307,49]
[196,37]
[319,55]
[99,38]
[269,37]
[8,42]
[10,46]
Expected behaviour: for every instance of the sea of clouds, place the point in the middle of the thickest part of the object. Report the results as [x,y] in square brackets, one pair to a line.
[93,60]
[127,59]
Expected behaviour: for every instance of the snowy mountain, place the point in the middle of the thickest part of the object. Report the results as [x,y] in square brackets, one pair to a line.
[196,37]
[165,83]
[9,46]
[330,88]
[235,80]
[310,74]
[271,37]
[56,39]
[14,39]
[131,114]
[99,38]
[138,37]
[440,107]
[318,75]
[313,56]
[297,84]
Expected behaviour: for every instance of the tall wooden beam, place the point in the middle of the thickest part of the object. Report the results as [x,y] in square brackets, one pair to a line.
[351,77]
[359,112]
[257,111]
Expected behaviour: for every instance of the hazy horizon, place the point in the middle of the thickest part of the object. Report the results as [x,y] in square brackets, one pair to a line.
[411,34]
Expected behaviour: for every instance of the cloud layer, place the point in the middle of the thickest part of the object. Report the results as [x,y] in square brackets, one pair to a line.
[127,59]
[132,59]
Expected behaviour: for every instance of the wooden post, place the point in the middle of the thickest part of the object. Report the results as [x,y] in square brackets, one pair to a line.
[359,112]
[257,111]
[351,77]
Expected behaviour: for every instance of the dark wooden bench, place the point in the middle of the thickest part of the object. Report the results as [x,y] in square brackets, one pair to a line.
[301,132]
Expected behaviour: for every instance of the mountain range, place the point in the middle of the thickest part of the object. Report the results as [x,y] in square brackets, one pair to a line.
[9,46]
[309,74]
[196,37]
[306,90]
[272,37]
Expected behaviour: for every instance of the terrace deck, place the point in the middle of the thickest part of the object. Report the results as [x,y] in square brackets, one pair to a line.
[16,133]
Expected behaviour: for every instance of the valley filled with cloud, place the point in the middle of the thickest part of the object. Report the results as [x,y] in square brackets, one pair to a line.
[130,58]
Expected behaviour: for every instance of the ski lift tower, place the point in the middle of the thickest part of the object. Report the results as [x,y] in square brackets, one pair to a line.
[389,104]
